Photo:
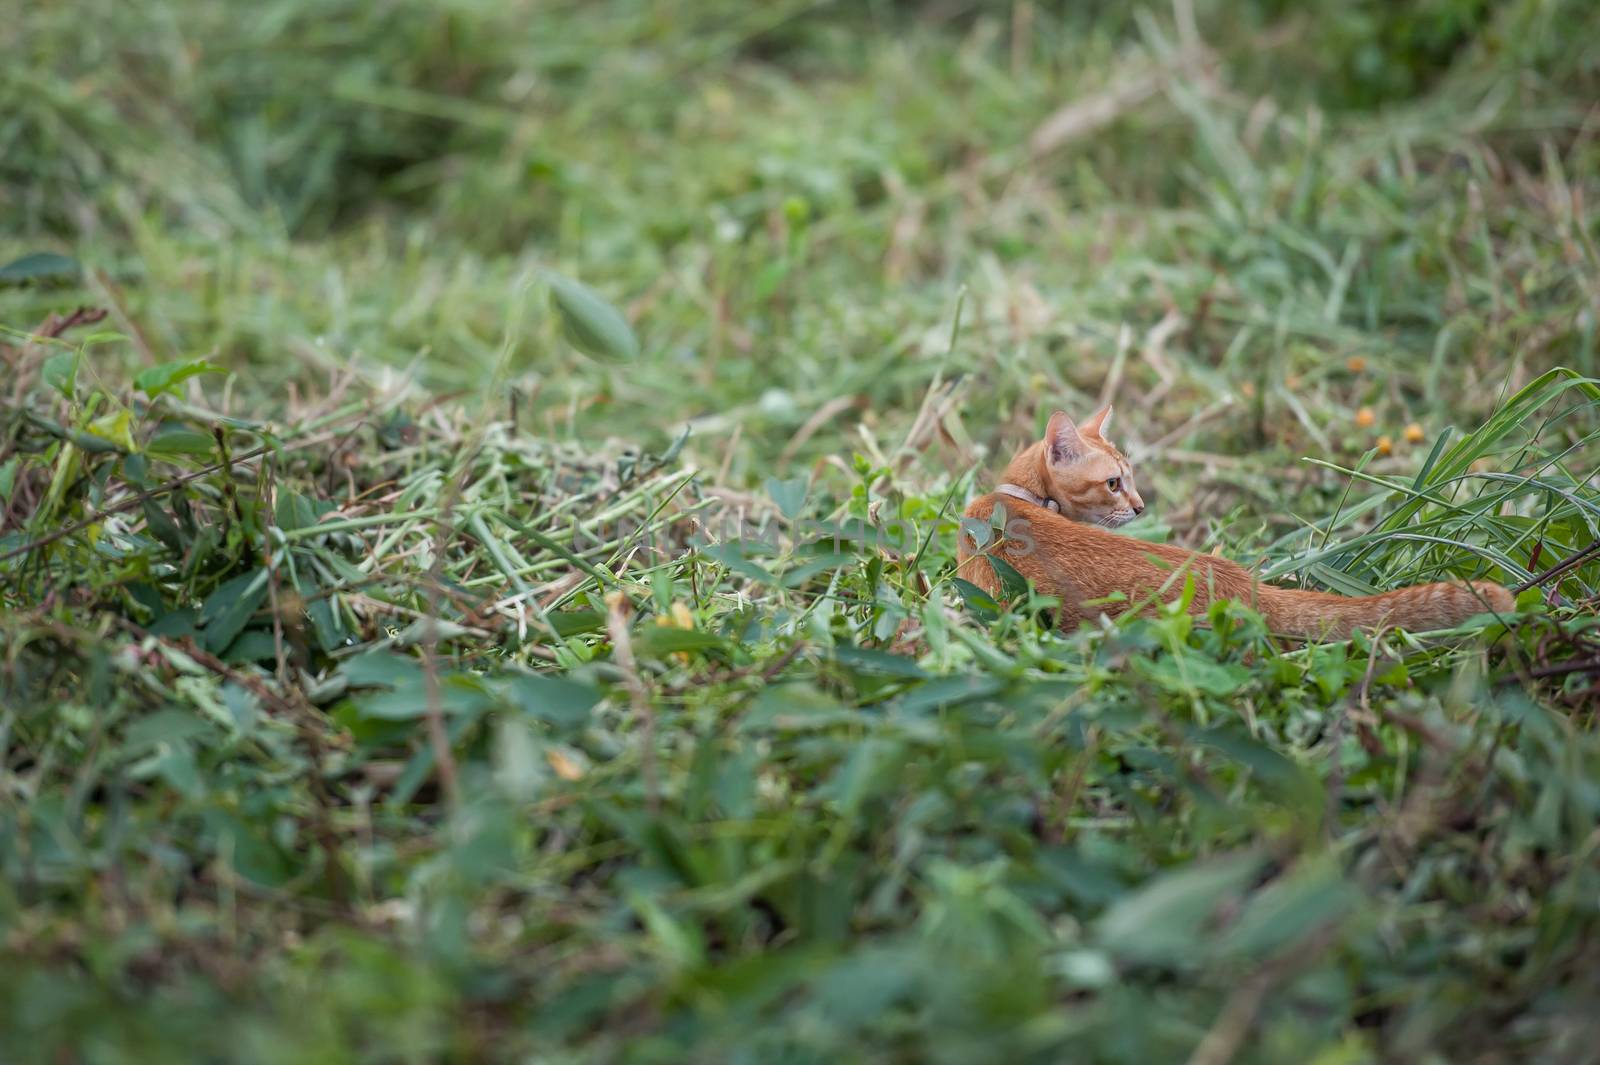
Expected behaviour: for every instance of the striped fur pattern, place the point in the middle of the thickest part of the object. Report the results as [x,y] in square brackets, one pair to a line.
[1075,557]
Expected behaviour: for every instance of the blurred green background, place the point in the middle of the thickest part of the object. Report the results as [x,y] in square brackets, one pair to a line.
[787,198]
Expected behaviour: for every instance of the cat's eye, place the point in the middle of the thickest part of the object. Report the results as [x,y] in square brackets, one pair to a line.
[1115,484]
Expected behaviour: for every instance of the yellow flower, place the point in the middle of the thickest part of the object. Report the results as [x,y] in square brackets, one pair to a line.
[1385,445]
[1413,433]
[1356,364]
[1365,418]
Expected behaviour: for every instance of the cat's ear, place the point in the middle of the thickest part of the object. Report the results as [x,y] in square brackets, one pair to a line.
[1061,440]
[1096,425]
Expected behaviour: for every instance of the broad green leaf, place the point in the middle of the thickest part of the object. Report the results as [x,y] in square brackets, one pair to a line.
[297,511]
[164,726]
[790,494]
[799,575]
[559,701]
[861,774]
[422,630]
[380,669]
[1188,673]
[169,375]
[179,441]
[1163,921]
[1013,585]
[160,525]
[873,660]
[116,427]
[732,555]
[657,641]
[1292,907]
[797,707]
[252,855]
[39,266]
[947,691]
[868,982]
[576,622]
[592,325]
[1270,766]
[8,477]
[228,609]
[680,943]
[975,532]
[176,765]
[976,599]
[60,372]
[459,693]
[252,645]
[1081,877]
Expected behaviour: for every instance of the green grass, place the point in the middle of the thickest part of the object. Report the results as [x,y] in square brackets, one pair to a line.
[384,678]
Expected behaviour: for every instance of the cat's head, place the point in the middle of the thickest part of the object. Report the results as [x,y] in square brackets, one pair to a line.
[1086,475]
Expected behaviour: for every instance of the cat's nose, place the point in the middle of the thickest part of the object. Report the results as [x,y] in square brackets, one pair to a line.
[1138,508]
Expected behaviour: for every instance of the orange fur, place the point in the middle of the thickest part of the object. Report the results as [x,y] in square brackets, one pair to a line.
[1072,555]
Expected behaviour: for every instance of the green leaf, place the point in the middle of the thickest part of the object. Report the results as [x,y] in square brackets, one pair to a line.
[251,854]
[559,701]
[1269,766]
[380,669]
[327,622]
[179,441]
[116,427]
[790,494]
[1292,907]
[872,660]
[592,325]
[866,984]
[164,726]
[976,532]
[60,372]
[797,707]
[947,691]
[862,774]
[1012,584]
[1162,921]
[658,641]
[227,610]
[679,943]
[733,556]
[295,511]
[576,622]
[169,375]
[459,693]
[975,599]
[799,575]
[163,528]
[253,645]
[39,266]
[1190,673]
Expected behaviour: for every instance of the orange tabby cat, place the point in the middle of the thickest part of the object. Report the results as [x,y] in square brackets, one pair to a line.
[1064,492]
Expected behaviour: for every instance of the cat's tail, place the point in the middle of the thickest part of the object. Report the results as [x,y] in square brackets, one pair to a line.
[1419,608]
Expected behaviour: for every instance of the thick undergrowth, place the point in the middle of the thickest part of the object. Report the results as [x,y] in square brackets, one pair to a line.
[409,653]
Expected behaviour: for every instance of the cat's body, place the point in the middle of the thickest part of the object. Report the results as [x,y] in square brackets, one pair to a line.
[1072,556]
